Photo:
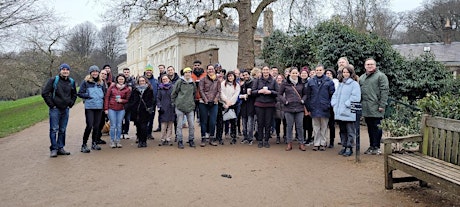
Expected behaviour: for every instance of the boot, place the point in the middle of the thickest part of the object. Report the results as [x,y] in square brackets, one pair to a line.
[278,139]
[266,144]
[191,143]
[260,144]
[331,143]
[289,146]
[348,152]
[203,142]
[302,147]
[342,151]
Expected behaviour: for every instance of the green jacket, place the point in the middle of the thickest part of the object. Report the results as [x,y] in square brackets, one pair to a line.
[374,93]
[183,95]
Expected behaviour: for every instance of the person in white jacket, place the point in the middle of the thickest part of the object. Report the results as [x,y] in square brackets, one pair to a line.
[348,93]
[230,91]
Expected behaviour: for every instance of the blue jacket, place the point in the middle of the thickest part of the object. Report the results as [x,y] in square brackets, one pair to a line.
[319,93]
[347,93]
[92,93]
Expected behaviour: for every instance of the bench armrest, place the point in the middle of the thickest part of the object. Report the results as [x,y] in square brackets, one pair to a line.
[408,138]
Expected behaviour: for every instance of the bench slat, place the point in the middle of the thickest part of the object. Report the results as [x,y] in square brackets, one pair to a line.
[425,165]
[443,123]
[449,145]
[441,165]
[456,149]
[442,144]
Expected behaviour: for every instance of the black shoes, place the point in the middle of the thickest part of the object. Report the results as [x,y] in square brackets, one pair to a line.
[85,149]
[180,145]
[62,152]
[100,141]
[53,153]
[266,144]
[233,141]
[141,144]
[260,144]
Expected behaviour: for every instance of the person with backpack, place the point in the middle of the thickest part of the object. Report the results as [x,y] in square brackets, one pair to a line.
[60,95]
[92,91]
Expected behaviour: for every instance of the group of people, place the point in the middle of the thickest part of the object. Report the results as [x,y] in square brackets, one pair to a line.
[257,101]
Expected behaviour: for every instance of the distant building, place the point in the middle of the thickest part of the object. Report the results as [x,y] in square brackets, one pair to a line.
[155,42]
[448,54]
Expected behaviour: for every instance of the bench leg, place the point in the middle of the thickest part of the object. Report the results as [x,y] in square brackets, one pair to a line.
[422,183]
[388,178]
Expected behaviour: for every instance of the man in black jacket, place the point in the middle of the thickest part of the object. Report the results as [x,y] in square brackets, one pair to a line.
[59,94]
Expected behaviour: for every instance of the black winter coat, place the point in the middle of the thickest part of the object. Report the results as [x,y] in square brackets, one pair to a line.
[247,106]
[165,106]
[138,109]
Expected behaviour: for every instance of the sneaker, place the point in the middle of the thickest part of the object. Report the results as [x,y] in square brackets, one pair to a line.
[126,136]
[180,145]
[342,151]
[85,149]
[119,145]
[150,137]
[322,148]
[244,141]
[376,151]
[95,146]
[191,143]
[113,145]
[250,142]
[164,142]
[233,141]
[369,151]
[203,142]
[62,152]
[348,152]
[53,153]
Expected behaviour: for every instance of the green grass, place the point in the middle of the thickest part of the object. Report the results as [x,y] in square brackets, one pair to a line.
[21,114]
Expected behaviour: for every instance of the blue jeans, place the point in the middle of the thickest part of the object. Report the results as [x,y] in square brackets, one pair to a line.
[58,124]
[248,127]
[208,112]
[116,118]
[180,121]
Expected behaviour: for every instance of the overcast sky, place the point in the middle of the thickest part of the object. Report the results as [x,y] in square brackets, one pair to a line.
[78,11]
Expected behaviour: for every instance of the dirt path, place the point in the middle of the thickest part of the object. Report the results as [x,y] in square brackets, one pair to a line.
[167,176]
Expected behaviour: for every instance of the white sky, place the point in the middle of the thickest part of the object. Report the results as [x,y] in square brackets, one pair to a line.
[74,12]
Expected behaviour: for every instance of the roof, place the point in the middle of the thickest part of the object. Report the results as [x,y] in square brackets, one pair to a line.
[449,54]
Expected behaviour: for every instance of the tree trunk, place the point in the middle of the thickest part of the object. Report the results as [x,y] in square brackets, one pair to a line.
[247,26]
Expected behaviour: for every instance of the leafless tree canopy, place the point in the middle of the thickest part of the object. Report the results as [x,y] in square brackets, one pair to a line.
[82,39]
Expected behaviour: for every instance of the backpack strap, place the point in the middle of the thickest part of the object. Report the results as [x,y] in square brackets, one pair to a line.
[55,84]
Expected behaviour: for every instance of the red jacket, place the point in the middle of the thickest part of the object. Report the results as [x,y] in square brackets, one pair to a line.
[110,97]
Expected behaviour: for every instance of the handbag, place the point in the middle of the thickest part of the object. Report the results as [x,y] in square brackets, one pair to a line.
[229,114]
[305,111]
[148,109]
[106,127]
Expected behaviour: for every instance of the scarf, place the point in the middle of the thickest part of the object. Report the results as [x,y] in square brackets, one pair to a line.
[141,88]
[120,86]
[293,81]
[212,77]
[165,86]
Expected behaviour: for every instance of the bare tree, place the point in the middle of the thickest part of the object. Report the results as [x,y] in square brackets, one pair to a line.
[82,40]
[427,24]
[111,43]
[17,13]
[369,16]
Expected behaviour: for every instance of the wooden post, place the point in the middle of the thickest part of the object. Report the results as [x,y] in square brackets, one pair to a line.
[424,131]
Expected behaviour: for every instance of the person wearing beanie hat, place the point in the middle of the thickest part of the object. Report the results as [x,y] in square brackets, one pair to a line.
[93,68]
[64,65]
[149,75]
[60,94]
[92,91]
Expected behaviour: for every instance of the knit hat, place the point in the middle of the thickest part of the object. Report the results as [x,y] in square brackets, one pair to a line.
[217,65]
[148,67]
[187,70]
[93,68]
[64,65]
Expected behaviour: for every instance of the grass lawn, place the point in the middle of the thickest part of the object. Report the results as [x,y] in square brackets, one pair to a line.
[20,114]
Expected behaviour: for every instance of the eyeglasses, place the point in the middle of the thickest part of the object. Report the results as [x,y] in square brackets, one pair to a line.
[370,64]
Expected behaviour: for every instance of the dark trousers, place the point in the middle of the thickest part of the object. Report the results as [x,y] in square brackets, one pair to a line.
[142,131]
[150,122]
[104,118]
[264,122]
[219,122]
[93,118]
[331,125]
[278,126]
[375,133]
[125,125]
[308,127]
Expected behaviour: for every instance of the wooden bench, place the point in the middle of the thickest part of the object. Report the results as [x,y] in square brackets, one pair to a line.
[437,160]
